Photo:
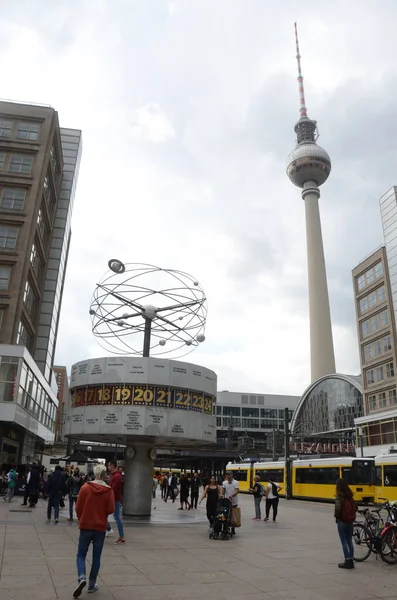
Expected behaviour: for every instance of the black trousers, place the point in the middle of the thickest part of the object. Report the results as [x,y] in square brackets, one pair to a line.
[164,492]
[170,494]
[272,503]
[194,496]
[211,511]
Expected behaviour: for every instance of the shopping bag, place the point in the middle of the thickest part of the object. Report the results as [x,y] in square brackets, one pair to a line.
[236,516]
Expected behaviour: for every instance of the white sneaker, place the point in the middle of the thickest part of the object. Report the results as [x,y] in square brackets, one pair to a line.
[109,533]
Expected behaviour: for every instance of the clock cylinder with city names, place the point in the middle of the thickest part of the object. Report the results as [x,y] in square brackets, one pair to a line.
[142,398]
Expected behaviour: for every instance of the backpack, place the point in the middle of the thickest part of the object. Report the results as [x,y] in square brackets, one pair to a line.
[274,490]
[349,511]
[261,490]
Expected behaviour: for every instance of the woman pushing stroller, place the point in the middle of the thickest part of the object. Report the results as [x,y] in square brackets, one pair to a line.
[212,492]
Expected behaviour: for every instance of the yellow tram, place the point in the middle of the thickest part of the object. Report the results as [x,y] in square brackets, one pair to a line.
[386,477]
[312,479]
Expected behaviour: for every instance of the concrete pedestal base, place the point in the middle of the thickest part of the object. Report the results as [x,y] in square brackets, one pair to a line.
[138,481]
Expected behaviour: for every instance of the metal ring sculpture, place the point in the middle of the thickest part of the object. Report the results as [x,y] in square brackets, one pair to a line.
[144,309]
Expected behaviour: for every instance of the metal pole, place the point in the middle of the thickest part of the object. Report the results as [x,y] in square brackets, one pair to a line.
[274,443]
[288,494]
[146,337]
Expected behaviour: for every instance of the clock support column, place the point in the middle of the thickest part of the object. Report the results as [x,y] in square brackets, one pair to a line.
[138,480]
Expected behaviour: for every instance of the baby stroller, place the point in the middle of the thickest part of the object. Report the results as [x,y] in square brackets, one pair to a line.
[222,523]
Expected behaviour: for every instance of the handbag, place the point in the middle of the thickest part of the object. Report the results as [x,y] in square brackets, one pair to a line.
[236,516]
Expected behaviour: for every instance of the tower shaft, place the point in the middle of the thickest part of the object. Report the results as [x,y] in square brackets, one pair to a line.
[322,356]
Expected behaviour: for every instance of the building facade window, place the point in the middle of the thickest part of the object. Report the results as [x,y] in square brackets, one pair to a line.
[8,237]
[28,131]
[370,276]
[54,160]
[5,274]
[5,128]
[20,163]
[36,262]
[13,198]
[24,337]
[373,299]
[380,373]
[382,400]
[30,300]
[377,348]
[2,159]
[373,324]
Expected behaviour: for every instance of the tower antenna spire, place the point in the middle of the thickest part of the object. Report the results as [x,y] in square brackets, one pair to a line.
[302,109]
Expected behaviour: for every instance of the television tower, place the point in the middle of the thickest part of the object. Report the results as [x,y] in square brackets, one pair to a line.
[309,167]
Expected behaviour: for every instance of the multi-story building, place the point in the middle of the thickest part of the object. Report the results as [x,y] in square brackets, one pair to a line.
[39,164]
[375,287]
[257,417]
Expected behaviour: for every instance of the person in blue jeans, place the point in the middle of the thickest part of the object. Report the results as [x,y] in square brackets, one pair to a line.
[345,515]
[95,503]
[116,483]
[55,489]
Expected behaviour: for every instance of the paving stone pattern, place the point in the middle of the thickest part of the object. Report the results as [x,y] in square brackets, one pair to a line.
[293,559]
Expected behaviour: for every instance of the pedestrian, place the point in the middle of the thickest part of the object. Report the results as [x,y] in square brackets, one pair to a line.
[272,499]
[258,492]
[185,487]
[345,515]
[172,487]
[11,483]
[33,485]
[212,491]
[55,490]
[164,487]
[95,503]
[116,483]
[195,489]
[154,487]
[230,485]
[73,486]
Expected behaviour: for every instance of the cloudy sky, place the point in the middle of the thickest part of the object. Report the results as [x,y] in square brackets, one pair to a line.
[187,109]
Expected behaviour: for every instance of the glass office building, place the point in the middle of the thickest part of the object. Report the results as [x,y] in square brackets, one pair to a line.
[28,407]
[329,405]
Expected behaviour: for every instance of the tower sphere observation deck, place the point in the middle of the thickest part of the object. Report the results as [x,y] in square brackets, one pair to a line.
[308,162]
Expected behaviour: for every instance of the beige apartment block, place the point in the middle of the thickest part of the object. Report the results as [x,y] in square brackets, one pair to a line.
[38,170]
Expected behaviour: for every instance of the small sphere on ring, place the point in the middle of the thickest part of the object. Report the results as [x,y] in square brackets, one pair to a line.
[116,266]
[120,323]
[188,343]
[162,342]
[200,338]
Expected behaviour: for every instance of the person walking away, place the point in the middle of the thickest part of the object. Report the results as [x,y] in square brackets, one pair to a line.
[258,492]
[185,487]
[11,483]
[272,499]
[95,503]
[27,490]
[154,488]
[164,487]
[212,492]
[33,486]
[195,489]
[55,489]
[345,515]
[230,485]
[73,486]
[116,483]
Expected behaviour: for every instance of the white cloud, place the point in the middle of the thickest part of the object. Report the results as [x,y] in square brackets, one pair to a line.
[150,124]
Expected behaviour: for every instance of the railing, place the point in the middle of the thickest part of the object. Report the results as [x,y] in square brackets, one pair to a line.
[25,102]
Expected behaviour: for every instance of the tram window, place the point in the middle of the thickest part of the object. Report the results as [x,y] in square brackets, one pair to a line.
[240,475]
[362,472]
[378,475]
[390,475]
[276,474]
[319,476]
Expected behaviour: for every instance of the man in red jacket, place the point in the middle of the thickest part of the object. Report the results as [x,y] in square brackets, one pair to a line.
[116,483]
[95,503]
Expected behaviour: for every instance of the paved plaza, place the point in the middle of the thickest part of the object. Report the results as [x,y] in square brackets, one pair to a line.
[294,559]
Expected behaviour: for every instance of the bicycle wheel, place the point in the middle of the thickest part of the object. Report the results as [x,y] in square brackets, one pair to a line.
[388,552]
[361,541]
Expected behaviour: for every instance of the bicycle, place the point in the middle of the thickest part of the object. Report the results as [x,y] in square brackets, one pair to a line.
[375,534]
